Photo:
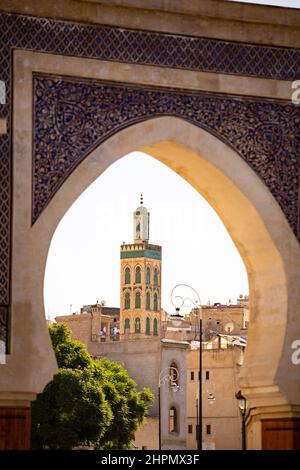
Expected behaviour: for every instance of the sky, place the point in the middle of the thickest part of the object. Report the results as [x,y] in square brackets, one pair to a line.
[279,3]
[83,263]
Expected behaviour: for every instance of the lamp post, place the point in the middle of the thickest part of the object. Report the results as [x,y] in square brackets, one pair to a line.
[187,301]
[172,376]
[243,409]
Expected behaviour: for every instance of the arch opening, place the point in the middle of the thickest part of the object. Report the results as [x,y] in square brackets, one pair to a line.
[253,219]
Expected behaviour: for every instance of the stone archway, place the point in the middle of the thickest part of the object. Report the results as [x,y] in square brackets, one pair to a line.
[239,53]
[253,218]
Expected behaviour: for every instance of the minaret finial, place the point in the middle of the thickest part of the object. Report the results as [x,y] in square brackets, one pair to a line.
[142,199]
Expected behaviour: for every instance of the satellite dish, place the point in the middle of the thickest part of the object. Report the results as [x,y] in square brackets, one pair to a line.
[229,327]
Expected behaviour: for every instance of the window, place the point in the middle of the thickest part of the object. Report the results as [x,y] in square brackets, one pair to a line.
[148,275]
[156,277]
[127,276]
[173,422]
[138,299]
[127,300]
[190,429]
[192,375]
[207,375]
[147,326]
[174,375]
[199,375]
[208,429]
[155,322]
[138,275]
[137,325]
[155,303]
[148,301]
[127,324]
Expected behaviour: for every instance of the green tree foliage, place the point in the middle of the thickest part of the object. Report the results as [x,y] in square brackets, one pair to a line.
[88,402]
[128,406]
[71,411]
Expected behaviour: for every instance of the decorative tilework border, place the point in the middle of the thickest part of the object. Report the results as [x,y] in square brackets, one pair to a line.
[72,116]
[118,44]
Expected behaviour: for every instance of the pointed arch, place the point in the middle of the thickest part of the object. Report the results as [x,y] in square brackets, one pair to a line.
[137,303]
[155,326]
[137,325]
[148,275]
[155,302]
[127,301]
[127,325]
[148,328]
[138,275]
[155,276]
[127,275]
[148,300]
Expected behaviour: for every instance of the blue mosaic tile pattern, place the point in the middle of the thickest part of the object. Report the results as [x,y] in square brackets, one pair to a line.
[73,116]
[141,47]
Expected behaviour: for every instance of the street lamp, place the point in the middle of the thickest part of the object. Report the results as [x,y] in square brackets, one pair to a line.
[187,301]
[243,409]
[172,376]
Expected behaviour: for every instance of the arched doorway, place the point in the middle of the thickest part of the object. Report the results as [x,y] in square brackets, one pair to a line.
[253,219]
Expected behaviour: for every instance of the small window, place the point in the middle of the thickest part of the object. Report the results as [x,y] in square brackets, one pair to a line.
[148,301]
[199,375]
[127,301]
[208,429]
[138,275]
[148,275]
[192,375]
[127,276]
[156,277]
[190,429]
[155,323]
[207,375]
[155,303]
[173,375]
[147,326]
[138,299]
[173,426]
[137,325]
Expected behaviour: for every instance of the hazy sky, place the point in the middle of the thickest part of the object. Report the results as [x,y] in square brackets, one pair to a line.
[279,3]
[84,258]
[83,263]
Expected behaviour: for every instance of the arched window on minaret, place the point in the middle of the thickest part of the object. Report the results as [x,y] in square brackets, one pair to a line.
[127,325]
[127,275]
[148,275]
[127,301]
[156,277]
[138,275]
[138,299]
[148,301]
[147,326]
[155,302]
[137,325]
[155,324]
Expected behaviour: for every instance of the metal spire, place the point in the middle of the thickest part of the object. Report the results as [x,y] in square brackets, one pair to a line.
[142,199]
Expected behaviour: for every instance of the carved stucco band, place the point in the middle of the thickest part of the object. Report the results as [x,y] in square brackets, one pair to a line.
[72,116]
[119,44]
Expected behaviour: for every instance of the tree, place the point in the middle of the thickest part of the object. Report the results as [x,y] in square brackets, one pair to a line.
[129,407]
[71,411]
[88,402]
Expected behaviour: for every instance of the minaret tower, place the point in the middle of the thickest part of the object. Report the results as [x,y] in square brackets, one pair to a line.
[140,303]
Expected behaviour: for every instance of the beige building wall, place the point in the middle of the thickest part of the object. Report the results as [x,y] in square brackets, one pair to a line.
[219,379]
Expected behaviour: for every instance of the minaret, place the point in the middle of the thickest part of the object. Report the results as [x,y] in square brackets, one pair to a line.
[140,302]
[141,218]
